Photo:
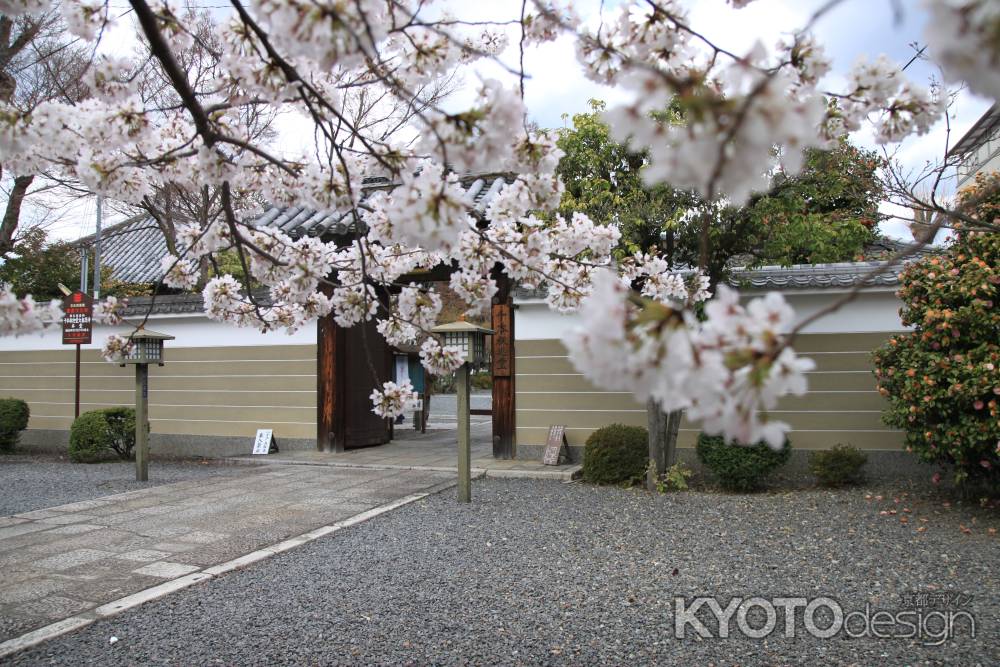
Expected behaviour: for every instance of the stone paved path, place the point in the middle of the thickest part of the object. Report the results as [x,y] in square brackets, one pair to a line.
[67,560]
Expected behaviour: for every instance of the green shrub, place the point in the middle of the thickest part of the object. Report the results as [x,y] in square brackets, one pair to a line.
[95,435]
[121,430]
[674,479]
[738,467]
[615,454]
[838,466]
[14,414]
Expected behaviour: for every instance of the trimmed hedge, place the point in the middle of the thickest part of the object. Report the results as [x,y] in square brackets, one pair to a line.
[14,415]
[95,435]
[616,454]
[738,467]
[838,466]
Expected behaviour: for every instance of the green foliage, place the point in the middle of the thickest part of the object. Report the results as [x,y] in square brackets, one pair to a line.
[674,479]
[826,213]
[37,267]
[838,466]
[121,430]
[738,467]
[616,454]
[14,414]
[604,180]
[481,380]
[95,435]
[942,378]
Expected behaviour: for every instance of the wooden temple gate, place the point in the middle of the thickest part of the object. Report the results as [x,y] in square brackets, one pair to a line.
[347,357]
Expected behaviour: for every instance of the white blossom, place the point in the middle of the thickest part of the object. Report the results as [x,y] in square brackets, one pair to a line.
[391,401]
[440,359]
[23,315]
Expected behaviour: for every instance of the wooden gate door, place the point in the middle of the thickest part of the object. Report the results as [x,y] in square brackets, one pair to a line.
[362,426]
[344,382]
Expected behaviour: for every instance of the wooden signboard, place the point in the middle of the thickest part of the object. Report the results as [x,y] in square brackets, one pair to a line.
[265,443]
[78,318]
[556,447]
[501,340]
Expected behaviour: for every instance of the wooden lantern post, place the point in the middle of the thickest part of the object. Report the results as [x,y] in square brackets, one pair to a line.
[147,348]
[471,339]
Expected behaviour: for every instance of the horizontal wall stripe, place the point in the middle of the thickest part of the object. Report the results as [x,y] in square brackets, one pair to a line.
[769,412]
[212,421]
[805,344]
[811,354]
[574,410]
[836,420]
[210,391]
[697,430]
[153,377]
[242,429]
[169,362]
[859,362]
[187,405]
[262,352]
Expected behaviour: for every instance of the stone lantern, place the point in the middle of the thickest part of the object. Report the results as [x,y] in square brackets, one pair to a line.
[471,339]
[147,348]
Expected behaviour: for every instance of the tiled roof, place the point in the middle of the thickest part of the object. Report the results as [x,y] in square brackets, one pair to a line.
[297,221]
[132,249]
[174,304]
[815,276]
[809,276]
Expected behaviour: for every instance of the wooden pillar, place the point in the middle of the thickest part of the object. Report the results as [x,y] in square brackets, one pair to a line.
[141,422]
[502,323]
[330,424]
[464,446]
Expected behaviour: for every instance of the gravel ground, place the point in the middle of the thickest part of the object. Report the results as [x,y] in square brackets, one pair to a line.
[36,482]
[566,574]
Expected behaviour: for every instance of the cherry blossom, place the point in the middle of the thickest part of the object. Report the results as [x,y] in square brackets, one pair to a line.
[403,196]
[24,315]
[392,399]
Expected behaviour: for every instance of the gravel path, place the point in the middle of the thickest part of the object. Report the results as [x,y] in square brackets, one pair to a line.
[35,482]
[549,573]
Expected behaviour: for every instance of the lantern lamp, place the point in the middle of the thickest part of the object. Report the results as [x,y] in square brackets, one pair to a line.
[147,347]
[469,338]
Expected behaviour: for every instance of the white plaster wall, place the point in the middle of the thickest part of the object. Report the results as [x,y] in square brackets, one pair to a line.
[871,311]
[189,330]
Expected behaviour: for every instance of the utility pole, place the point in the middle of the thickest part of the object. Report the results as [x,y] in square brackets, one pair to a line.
[97,250]
[84,268]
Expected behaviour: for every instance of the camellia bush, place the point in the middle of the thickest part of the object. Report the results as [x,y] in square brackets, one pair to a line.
[942,379]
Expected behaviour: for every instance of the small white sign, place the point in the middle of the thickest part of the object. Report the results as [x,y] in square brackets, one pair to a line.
[415,405]
[262,443]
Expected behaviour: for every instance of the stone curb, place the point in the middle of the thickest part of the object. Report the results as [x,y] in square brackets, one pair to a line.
[114,607]
[565,475]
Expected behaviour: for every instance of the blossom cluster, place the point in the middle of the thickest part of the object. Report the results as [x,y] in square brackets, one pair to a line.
[23,315]
[726,371]
[392,399]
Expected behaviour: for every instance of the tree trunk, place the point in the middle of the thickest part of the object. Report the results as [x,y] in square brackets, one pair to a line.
[663,428]
[12,215]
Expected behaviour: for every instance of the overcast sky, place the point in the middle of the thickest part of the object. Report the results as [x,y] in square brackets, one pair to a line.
[557,87]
